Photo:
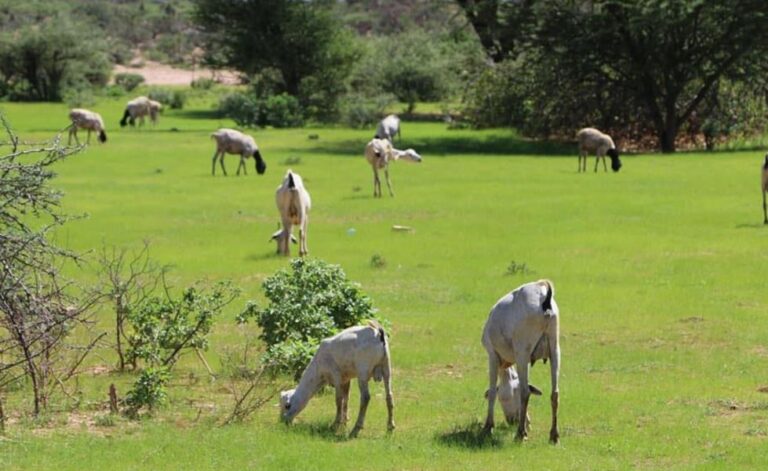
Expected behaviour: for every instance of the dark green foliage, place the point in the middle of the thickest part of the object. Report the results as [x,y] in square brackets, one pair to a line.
[364,111]
[630,67]
[129,81]
[174,99]
[307,303]
[162,327]
[148,390]
[303,42]
[281,110]
[41,61]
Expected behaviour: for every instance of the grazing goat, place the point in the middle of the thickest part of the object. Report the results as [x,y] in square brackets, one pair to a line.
[229,141]
[294,203]
[379,152]
[592,140]
[508,394]
[765,189]
[360,352]
[135,109]
[523,327]
[388,128]
[85,119]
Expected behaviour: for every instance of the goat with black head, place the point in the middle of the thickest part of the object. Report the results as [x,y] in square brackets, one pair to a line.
[593,141]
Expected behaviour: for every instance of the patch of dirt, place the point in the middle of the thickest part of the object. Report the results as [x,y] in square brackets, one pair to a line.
[155,73]
[763,389]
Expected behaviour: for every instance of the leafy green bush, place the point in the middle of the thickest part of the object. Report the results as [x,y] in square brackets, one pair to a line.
[148,390]
[172,98]
[282,111]
[241,108]
[162,327]
[129,81]
[308,302]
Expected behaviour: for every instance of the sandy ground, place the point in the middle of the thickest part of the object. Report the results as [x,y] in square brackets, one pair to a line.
[156,73]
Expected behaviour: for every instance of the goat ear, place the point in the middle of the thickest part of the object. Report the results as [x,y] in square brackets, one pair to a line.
[534,390]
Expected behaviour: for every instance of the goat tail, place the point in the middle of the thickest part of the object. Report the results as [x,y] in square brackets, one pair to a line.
[546,306]
[383,369]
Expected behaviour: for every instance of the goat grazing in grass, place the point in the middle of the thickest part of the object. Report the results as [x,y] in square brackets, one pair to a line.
[85,119]
[765,189]
[294,203]
[523,327]
[591,140]
[360,352]
[135,109]
[388,128]
[229,141]
[509,395]
[378,153]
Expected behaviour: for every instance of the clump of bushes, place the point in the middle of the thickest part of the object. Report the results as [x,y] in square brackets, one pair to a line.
[129,81]
[308,301]
[280,110]
[174,99]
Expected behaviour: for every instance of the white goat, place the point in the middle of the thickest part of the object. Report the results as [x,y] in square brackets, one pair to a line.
[388,128]
[135,109]
[229,141]
[509,396]
[85,119]
[360,352]
[378,153]
[523,327]
[294,203]
[591,140]
[765,189]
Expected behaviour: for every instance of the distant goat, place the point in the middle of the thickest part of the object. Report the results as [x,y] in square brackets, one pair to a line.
[85,119]
[388,128]
[229,141]
[378,153]
[294,203]
[360,352]
[135,109]
[591,140]
[523,327]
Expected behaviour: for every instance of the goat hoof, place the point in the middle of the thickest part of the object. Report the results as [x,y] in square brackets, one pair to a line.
[554,437]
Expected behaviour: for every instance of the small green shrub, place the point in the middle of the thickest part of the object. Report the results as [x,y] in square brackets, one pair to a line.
[172,98]
[377,261]
[202,83]
[129,81]
[358,111]
[161,327]
[148,390]
[282,111]
[240,108]
[308,302]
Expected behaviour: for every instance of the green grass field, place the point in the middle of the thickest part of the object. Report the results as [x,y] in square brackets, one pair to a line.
[659,272]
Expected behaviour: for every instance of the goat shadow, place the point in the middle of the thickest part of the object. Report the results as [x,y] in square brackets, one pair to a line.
[472,436]
[323,430]
[751,226]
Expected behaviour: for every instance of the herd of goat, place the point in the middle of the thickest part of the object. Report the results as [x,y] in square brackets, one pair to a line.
[522,327]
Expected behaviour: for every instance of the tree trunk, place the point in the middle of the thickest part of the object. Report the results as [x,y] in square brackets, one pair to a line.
[668,130]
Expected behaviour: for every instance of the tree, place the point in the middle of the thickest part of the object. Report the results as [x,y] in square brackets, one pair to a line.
[38,311]
[665,57]
[299,38]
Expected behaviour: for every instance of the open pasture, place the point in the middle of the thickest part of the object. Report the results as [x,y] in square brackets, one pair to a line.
[659,271]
